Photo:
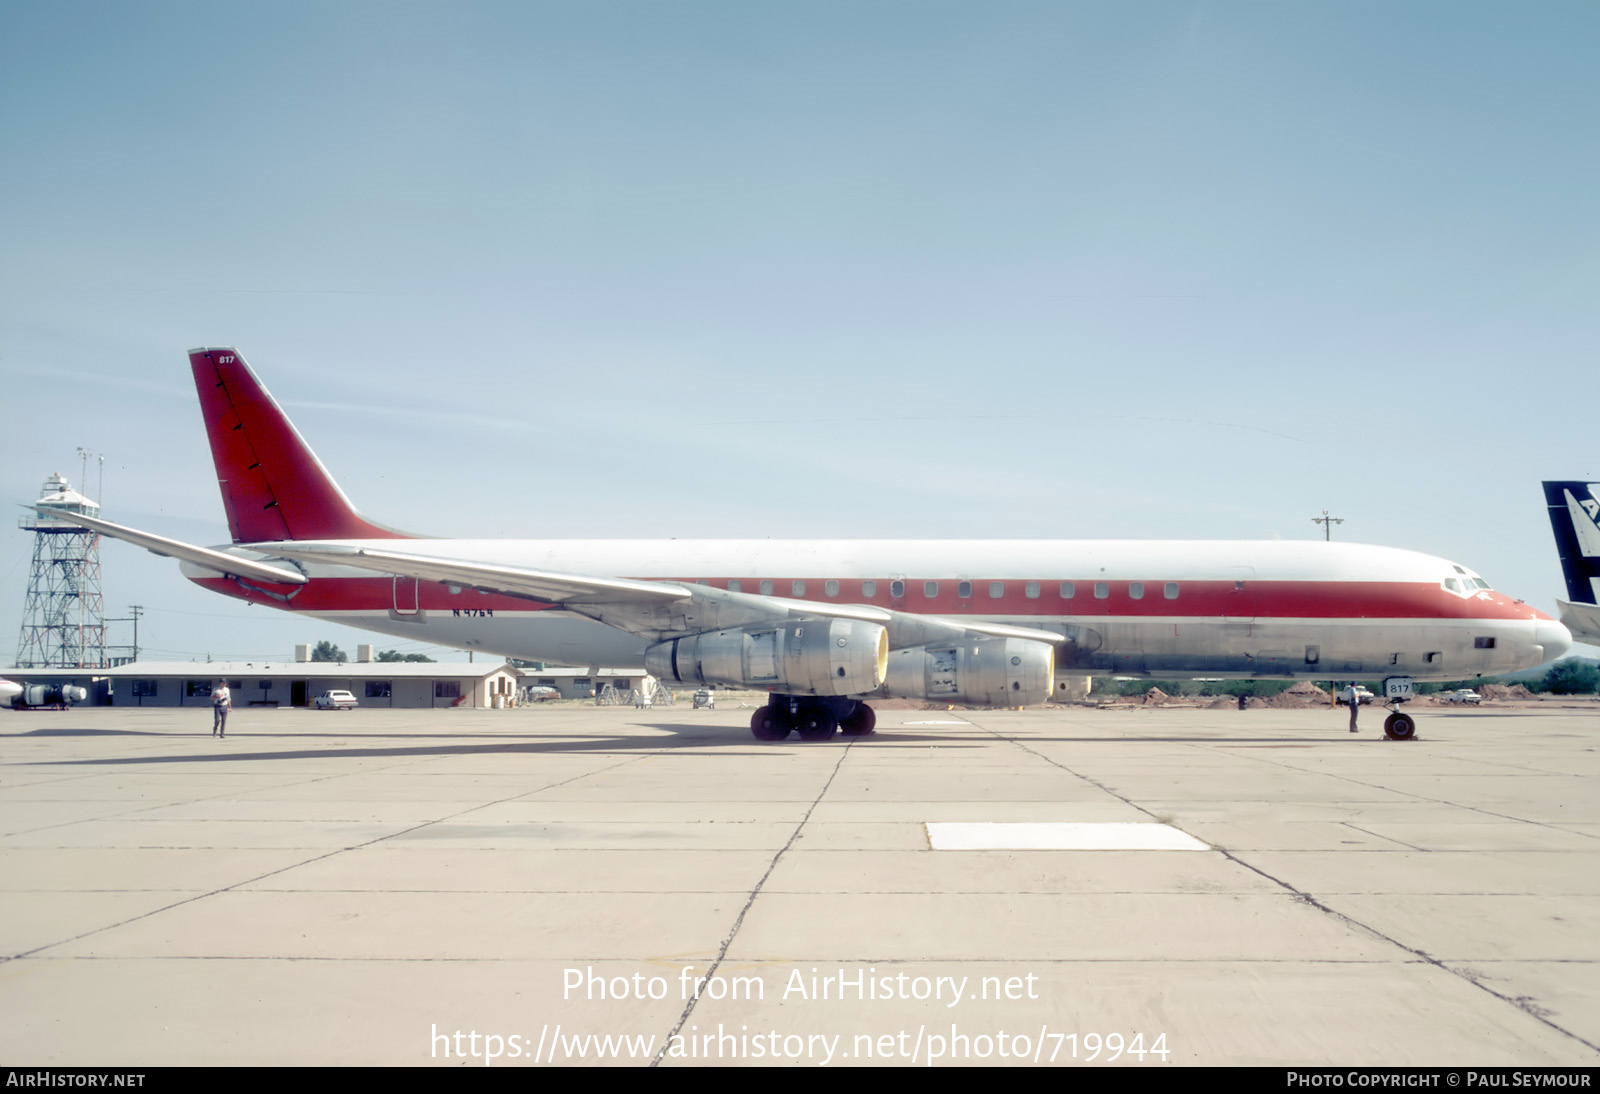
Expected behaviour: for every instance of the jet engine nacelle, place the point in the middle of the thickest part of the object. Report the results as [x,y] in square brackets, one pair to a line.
[46,695]
[999,672]
[795,657]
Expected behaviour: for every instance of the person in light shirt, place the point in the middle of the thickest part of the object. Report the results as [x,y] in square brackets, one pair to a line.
[221,703]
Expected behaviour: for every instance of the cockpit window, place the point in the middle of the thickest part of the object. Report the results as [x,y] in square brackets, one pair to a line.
[1480,583]
[1452,584]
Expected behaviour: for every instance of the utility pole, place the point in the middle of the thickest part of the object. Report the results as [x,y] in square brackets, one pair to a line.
[1327,523]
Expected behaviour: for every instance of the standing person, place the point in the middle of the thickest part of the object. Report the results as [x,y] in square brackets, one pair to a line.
[221,703]
[1355,705]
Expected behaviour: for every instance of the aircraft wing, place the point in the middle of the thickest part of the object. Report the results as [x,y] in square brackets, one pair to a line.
[220,561]
[1583,620]
[657,608]
[542,585]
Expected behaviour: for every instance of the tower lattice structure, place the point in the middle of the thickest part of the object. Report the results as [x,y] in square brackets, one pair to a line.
[63,621]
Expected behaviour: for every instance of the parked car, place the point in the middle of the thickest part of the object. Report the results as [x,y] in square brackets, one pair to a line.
[1362,694]
[335,700]
[1463,695]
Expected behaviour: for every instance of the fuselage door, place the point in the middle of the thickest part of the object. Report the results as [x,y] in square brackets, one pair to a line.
[405,595]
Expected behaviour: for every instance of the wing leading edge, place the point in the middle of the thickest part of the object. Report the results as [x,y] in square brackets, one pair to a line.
[655,609]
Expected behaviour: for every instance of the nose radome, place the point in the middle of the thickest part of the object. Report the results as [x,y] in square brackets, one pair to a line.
[1553,636]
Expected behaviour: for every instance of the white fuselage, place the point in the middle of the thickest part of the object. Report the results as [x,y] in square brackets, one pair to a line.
[1205,608]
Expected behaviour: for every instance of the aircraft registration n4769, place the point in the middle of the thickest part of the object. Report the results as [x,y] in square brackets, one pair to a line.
[825,625]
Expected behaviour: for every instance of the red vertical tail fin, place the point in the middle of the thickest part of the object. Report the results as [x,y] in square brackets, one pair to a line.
[273,485]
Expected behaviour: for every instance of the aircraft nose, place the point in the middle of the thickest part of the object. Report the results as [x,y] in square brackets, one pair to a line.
[1553,636]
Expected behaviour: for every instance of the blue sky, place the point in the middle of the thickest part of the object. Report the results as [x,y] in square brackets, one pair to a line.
[809,269]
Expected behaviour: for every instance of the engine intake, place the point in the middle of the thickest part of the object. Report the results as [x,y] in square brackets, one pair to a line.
[998,672]
[796,657]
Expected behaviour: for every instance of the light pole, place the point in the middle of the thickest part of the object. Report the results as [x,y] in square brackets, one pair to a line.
[1327,523]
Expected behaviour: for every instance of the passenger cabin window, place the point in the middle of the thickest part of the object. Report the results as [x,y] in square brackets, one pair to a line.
[1069,589]
[1031,590]
[1136,590]
[831,588]
[963,590]
[735,586]
[869,588]
[897,589]
[930,589]
[799,588]
[1171,590]
[1102,590]
[997,589]
[766,588]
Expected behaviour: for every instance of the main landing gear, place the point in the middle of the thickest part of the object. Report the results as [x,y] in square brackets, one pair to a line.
[811,718]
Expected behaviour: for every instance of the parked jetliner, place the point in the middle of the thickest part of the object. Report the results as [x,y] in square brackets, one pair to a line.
[824,625]
[1575,517]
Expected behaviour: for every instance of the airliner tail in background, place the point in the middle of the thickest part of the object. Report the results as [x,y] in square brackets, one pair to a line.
[1574,509]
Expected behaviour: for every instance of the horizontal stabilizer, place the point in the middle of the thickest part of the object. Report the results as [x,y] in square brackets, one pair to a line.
[220,561]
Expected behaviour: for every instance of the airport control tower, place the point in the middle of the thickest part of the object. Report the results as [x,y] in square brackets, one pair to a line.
[63,622]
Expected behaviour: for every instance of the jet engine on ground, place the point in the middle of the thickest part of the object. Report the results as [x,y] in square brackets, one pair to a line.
[48,695]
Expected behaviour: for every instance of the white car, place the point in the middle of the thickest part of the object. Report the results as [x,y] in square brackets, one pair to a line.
[1463,695]
[335,700]
[1362,694]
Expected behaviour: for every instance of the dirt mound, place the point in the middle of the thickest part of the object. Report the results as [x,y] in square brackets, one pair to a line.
[1222,704]
[1501,691]
[1156,696]
[1298,697]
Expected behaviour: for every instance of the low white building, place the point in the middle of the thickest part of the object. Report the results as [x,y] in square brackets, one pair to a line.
[583,683]
[379,684]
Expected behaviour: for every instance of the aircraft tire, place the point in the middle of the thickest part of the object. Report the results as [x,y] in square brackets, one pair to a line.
[1399,727]
[766,727]
[859,722]
[816,724]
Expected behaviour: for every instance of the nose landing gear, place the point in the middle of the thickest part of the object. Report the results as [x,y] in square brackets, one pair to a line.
[1399,727]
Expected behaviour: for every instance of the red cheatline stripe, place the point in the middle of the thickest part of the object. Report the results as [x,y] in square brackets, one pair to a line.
[1195,599]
